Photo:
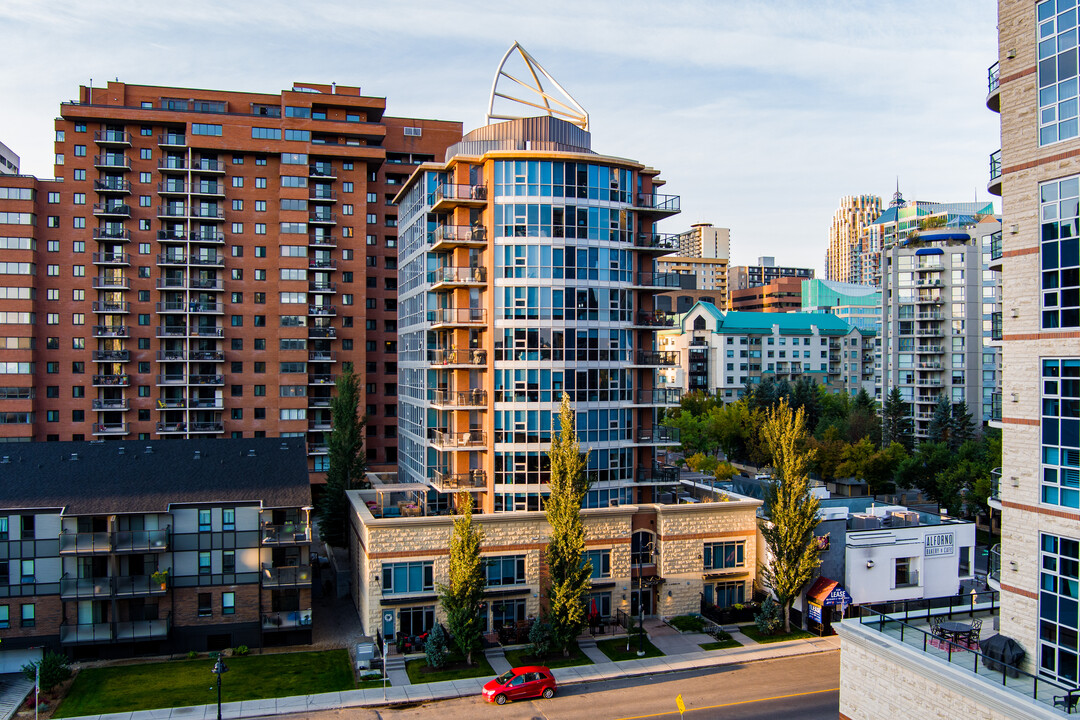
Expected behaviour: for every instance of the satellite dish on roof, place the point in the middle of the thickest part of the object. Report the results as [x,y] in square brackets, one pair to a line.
[531,92]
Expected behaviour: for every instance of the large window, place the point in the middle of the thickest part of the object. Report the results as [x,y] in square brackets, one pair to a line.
[725,594]
[1060,246]
[1060,430]
[725,555]
[408,577]
[601,563]
[1057,71]
[507,612]
[506,570]
[1059,588]
[416,621]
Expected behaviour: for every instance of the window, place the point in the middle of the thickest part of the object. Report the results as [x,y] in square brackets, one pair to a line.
[724,555]
[1057,72]
[204,562]
[408,577]
[228,561]
[28,615]
[26,528]
[237,181]
[905,573]
[260,183]
[205,609]
[601,563]
[146,154]
[26,572]
[4,620]
[228,519]
[205,129]
[237,205]
[80,151]
[505,570]
[204,520]
[1058,622]
[259,391]
[228,601]
[1060,253]
[1060,436]
[260,133]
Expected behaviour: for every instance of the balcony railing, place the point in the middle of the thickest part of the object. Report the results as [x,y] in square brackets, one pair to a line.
[457,357]
[465,234]
[109,331]
[100,233]
[659,396]
[112,137]
[321,332]
[110,160]
[993,75]
[657,475]
[286,534]
[993,567]
[461,398]
[458,275]
[658,434]
[457,316]
[658,279]
[172,140]
[110,185]
[104,587]
[286,576]
[110,429]
[995,407]
[116,209]
[995,486]
[452,482]
[995,326]
[995,246]
[286,620]
[664,242]
[995,172]
[110,404]
[451,191]
[658,203]
[457,440]
[75,633]
[658,359]
[657,318]
[112,380]
[80,543]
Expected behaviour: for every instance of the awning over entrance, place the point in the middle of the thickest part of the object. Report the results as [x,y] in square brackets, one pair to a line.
[825,592]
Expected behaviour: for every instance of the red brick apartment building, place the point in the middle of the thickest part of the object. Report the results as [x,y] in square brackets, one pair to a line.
[203,263]
[784,294]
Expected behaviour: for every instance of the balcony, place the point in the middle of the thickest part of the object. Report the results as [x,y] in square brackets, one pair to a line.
[109,404]
[450,195]
[115,138]
[995,407]
[111,258]
[655,319]
[322,218]
[993,568]
[322,241]
[322,170]
[77,633]
[322,379]
[457,358]
[996,332]
[171,331]
[657,242]
[113,234]
[993,87]
[657,475]
[206,380]
[109,331]
[929,349]
[209,403]
[666,281]
[172,379]
[213,189]
[994,500]
[110,429]
[453,482]
[321,356]
[209,238]
[472,440]
[206,284]
[208,166]
[272,622]
[286,534]
[111,209]
[108,186]
[995,248]
[322,263]
[110,282]
[447,317]
[446,277]
[172,164]
[994,186]
[112,161]
[207,426]
[298,576]
[322,287]
[317,449]
[321,332]
[112,380]
[109,307]
[659,396]
[461,399]
[447,237]
[660,205]
[668,358]
[172,140]
[658,435]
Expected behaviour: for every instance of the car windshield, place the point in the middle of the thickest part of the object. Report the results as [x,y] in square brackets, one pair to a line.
[505,677]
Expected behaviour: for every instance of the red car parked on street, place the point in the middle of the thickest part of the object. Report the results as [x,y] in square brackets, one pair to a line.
[520,683]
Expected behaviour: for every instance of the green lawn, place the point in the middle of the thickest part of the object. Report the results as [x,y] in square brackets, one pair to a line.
[616,649]
[751,632]
[148,686]
[721,644]
[520,657]
[453,671]
[688,623]
[366,684]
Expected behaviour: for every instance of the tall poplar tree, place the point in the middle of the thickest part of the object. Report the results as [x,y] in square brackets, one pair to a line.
[347,462]
[462,596]
[569,577]
[789,529]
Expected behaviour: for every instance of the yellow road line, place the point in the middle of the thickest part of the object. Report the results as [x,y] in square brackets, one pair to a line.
[731,704]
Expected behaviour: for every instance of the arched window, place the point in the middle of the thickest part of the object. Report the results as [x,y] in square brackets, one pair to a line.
[699,323]
[643,548]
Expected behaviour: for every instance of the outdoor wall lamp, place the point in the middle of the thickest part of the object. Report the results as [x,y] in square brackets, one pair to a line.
[869,564]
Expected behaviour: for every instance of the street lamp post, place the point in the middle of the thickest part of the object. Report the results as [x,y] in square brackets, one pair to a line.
[220,668]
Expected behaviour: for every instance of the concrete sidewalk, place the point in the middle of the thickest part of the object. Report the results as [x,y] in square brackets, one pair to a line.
[462,688]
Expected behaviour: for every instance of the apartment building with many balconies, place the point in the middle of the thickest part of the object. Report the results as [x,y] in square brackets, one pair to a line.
[153,547]
[201,251]
[849,258]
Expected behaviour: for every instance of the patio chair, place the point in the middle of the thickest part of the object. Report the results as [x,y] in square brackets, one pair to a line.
[1067,702]
[973,634]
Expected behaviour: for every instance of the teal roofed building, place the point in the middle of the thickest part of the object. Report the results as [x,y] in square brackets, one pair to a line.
[722,352]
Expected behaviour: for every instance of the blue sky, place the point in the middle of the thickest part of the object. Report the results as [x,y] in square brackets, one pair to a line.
[761,115]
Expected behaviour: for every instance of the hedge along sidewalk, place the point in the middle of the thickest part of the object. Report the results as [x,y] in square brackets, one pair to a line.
[465,688]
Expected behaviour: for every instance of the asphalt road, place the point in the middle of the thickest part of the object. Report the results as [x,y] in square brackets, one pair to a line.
[804,686]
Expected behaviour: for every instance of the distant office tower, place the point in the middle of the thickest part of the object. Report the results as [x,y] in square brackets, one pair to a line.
[526,274]
[859,305]
[848,258]
[205,263]
[741,277]
[703,253]
[780,295]
[9,161]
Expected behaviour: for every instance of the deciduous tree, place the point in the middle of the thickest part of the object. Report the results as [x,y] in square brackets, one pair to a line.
[347,462]
[462,596]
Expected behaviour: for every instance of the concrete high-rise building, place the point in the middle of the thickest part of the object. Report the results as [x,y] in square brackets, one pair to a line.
[703,253]
[742,277]
[9,161]
[847,259]
[200,252]
[511,297]
[1037,489]
[932,342]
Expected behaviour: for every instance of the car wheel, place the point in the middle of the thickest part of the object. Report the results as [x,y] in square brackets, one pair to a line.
[500,699]
[549,693]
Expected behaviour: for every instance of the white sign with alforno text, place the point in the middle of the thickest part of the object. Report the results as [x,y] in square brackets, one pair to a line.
[939,544]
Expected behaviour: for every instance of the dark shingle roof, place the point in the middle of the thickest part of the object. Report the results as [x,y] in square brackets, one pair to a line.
[149,475]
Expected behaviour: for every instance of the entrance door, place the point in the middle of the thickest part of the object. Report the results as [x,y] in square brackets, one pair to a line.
[388,624]
[643,596]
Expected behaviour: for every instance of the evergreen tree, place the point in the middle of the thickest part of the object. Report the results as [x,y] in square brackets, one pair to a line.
[462,596]
[896,423]
[864,402]
[569,577]
[941,423]
[805,394]
[789,530]
[347,463]
[963,426]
